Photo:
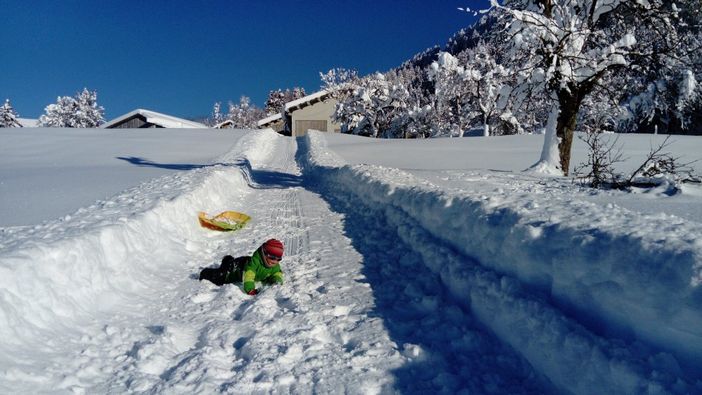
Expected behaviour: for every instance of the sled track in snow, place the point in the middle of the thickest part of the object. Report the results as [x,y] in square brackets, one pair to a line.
[555,334]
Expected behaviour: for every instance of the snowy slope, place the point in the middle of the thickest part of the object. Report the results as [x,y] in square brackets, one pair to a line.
[396,281]
[46,173]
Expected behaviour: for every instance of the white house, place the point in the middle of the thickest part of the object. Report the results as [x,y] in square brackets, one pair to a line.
[141,118]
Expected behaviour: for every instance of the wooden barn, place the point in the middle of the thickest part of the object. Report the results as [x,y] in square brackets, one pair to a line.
[141,118]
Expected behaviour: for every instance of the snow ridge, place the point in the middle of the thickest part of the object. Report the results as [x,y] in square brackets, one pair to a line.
[86,262]
[570,295]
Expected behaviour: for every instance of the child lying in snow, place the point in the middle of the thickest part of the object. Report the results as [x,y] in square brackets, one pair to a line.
[263,265]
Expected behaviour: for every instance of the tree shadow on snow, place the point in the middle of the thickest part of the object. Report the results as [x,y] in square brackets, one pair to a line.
[142,162]
[446,349]
[257,179]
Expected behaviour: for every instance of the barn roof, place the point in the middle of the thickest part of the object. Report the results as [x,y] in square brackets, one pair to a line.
[306,101]
[166,121]
[269,119]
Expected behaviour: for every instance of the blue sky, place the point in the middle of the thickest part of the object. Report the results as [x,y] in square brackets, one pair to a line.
[179,56]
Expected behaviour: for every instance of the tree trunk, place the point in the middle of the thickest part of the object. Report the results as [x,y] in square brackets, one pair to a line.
[569,103]
[550,158]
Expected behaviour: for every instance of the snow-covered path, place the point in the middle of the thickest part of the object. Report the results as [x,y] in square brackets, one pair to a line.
[326,330]
[350,317]
[311,334]
[392,286]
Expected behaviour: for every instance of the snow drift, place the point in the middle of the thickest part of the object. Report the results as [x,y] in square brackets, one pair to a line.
[573,288]
[56,276]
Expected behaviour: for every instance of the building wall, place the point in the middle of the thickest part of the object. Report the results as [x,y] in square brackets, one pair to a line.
[135,122]
[321,111]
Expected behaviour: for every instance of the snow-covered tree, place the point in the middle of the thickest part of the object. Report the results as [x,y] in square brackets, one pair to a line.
[59,114]
[244,115]
[88,113]
[217,116]
[277,99]
[8,116]
[377,107]
[275,102]
[81,111]
[567,47]
[447,74]
[484,80]
[338,79]
[419,120]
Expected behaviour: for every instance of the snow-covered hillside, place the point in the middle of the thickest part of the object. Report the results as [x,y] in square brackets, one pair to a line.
[424,279]
[50,172]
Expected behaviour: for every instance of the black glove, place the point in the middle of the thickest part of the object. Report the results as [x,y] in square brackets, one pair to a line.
[227,264]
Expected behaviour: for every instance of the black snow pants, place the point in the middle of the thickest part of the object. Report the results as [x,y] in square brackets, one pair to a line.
[229,264]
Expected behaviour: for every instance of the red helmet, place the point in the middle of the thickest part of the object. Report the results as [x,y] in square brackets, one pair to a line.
[273,247]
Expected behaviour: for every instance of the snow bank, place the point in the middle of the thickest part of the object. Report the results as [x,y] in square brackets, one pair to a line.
[56,277]
[594,297]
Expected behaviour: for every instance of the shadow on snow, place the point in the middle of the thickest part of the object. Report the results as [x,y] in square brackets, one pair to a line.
[142,162]
[257,179]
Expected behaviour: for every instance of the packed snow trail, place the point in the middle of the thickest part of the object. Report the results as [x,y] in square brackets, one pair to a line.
[323,331]
[115,306]
[290,338]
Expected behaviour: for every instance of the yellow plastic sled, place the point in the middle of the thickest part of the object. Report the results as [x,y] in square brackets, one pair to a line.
[225,221]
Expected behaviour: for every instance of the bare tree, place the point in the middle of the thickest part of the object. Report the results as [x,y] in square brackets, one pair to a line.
[599,170]
[659,165]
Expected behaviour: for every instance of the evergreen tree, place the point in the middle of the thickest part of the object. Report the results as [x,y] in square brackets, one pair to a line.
[59,114]
[8,116]
[88,113]
[81,111]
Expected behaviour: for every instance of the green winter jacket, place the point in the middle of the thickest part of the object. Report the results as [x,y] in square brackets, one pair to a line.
[255,270]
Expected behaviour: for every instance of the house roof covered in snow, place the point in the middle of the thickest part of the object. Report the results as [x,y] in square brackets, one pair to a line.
[224,124]
[306,101]
[153,119]
[269,119]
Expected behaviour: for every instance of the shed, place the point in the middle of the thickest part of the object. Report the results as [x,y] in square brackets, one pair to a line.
[141,118]
[313,111]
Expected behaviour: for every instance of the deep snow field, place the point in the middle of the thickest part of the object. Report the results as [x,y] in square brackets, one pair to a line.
[432,266]
[49,172]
